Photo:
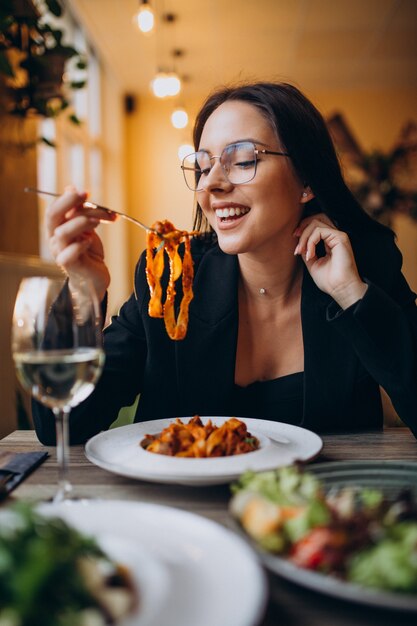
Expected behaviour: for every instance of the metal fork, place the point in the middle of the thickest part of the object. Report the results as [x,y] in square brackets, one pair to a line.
[92,205]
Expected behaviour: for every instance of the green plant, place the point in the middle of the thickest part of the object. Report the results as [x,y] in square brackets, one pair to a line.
[384,183]
[33,59]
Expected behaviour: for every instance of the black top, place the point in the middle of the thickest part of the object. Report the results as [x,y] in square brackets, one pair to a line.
[280,400]
[347,354]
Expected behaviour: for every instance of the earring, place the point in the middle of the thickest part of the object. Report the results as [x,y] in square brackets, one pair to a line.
[305,194]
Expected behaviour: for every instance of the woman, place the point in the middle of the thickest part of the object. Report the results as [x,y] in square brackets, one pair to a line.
[300,309]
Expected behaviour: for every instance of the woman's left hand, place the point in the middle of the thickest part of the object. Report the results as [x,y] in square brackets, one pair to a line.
[336,272]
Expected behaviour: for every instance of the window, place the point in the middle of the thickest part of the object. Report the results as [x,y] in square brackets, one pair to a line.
[77,158]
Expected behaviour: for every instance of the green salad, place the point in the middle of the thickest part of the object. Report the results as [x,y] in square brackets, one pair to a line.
[52,575]
[356,534]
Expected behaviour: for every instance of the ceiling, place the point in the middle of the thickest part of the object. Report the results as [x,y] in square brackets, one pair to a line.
[317,44]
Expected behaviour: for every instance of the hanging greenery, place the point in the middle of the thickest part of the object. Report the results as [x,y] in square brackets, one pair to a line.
[34,57]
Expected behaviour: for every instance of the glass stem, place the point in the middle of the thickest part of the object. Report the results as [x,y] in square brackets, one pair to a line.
[62,452]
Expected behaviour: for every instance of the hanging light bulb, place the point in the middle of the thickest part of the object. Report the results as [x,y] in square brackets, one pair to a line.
[166,84]
[184,150]
[179,118]
[144,18]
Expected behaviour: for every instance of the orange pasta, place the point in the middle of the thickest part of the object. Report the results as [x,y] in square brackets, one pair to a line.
[167,239]
[198,440]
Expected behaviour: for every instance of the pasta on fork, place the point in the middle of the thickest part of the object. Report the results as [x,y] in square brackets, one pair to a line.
[166,238]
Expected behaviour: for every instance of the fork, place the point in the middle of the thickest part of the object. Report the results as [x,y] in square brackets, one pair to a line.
[92,205]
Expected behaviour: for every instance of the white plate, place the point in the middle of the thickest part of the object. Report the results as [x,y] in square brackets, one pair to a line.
[388,476]
[202,573]
[149,574]
[119,451]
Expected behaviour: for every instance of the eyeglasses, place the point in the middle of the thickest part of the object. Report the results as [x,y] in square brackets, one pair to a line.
[238,162]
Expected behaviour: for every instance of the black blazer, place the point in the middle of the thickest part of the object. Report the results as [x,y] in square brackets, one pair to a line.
[347,354]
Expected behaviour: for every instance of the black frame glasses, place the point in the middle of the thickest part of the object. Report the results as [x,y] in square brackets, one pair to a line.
[238,162]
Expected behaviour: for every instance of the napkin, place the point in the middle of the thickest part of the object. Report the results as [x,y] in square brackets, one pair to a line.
[15,467]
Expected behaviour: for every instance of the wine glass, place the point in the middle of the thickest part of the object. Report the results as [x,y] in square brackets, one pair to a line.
[57,351]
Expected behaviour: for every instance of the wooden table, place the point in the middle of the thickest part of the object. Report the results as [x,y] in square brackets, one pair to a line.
[289,605]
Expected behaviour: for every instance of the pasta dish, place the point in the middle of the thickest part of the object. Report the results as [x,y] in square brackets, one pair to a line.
[197,440]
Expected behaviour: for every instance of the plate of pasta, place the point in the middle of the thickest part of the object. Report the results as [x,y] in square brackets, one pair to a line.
[200,451]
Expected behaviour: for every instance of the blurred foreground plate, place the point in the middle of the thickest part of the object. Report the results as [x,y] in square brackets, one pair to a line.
[119,451]
[388,476]
[200,573]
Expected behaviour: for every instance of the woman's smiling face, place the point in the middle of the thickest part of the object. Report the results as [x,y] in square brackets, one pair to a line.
[252,215]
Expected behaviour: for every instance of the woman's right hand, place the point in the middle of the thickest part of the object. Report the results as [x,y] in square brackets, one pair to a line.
[73,242]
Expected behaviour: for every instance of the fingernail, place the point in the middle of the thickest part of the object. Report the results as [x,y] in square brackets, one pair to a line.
[296,250]
[307,256]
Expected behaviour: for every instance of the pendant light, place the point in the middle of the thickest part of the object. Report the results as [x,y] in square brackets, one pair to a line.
[144,19]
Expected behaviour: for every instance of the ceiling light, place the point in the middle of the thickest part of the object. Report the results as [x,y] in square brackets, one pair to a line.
[184,150]
[166,84]
[144,18]
[179,118]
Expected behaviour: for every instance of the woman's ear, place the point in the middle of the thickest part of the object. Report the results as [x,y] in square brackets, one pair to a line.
[306,195]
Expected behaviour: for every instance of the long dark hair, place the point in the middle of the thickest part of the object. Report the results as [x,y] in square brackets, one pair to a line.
[303,133]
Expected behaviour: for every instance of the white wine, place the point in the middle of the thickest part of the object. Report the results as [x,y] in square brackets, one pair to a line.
[59,378]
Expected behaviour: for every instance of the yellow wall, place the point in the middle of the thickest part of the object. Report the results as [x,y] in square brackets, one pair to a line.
[376,116]
[155,188]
